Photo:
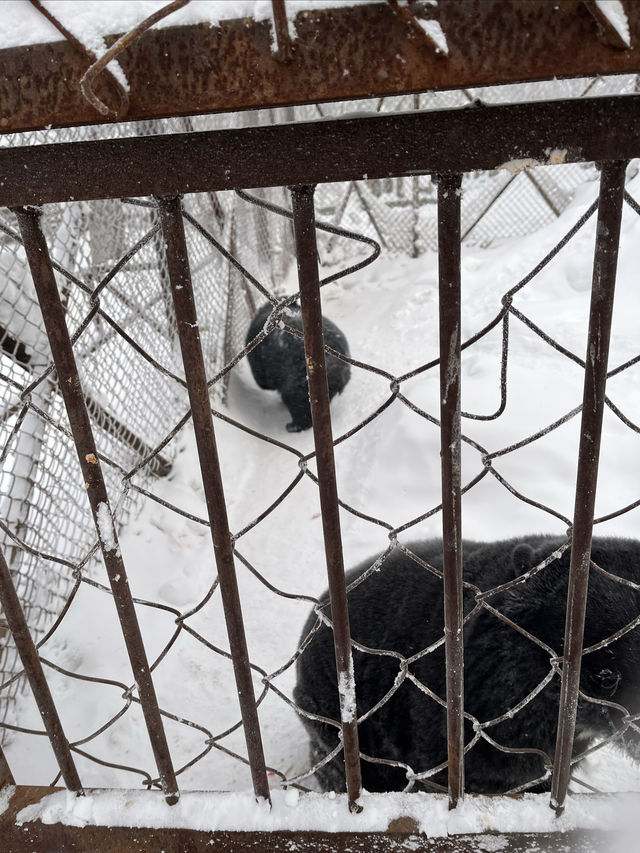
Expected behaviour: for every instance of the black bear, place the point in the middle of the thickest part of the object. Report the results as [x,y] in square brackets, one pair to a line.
[399,609]
[278,363]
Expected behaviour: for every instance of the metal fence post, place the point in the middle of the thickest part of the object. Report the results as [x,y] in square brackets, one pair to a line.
[450,336]
[189,335]
[600,313]
[71,390]
[307,253]
[14,615]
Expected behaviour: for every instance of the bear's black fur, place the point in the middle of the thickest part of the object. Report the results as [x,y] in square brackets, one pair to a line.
[400,608]
[278,363]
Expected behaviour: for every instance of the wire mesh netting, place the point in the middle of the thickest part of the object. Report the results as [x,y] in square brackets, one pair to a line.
[91,240]
[126,348]
[130,330]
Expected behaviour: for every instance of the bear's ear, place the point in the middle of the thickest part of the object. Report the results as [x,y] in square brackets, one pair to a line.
[608,680]
[522,559]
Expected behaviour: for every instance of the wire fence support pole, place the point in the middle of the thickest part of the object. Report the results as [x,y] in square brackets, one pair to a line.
[14,615]
[450,431]
[53,314]
[600,313]
[195,373]
[311,310]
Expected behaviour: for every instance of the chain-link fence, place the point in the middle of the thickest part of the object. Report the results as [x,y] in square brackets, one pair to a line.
[126,356]
[119,297]
[133,333]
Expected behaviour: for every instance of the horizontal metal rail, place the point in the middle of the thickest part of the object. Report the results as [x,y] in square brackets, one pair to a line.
[397,144]
[518,40]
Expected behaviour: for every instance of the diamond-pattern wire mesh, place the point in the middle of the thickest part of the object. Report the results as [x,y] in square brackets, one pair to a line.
[488,599]
[77,569]
[87,240]
[128,358]
[401,214]
[127,354]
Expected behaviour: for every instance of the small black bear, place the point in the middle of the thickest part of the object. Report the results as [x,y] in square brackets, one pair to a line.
[278,363]
[399,608]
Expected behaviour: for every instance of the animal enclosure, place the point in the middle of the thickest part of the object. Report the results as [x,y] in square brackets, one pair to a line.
[560,133]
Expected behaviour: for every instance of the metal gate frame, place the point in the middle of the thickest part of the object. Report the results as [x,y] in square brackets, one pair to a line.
[445,144]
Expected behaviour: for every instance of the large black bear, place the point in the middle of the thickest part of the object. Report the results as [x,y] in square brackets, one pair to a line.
[278,363]
[399,608]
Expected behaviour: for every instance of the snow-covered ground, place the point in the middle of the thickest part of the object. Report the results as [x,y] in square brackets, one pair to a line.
[388,470]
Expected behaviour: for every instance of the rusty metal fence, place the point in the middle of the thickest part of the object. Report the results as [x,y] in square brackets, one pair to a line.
[82,315]
[98,241]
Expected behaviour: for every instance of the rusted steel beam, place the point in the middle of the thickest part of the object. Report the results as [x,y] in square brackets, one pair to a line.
[54,318]
[311,310]
[38,837]
[26,648]
[358,51]
[476,137]
[450,456]
[195,372]
[595,379]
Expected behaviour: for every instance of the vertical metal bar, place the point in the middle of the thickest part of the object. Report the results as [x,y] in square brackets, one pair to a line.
[33,670]
[601,309]
[307,254]
[281,26]
[71,390]
[415,200]
[450,336]
[189,335]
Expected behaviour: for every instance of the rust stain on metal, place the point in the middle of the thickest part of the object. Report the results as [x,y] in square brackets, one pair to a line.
[115,86]
[344,53]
